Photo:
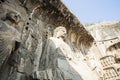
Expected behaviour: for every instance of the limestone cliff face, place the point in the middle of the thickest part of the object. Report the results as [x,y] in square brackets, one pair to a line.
[105,34]
[37,56]
[106,47]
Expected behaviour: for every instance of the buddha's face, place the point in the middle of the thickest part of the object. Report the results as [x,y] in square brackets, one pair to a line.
[61,33]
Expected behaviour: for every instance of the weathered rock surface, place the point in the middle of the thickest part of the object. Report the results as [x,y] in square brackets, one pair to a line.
[107,40]
[40,55]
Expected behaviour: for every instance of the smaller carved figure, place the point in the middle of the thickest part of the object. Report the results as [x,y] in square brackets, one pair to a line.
[9,37]
[95,65]
[13,17]
[92,61]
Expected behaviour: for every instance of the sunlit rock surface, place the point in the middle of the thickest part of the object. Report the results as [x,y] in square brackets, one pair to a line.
[106,47]
[40,55]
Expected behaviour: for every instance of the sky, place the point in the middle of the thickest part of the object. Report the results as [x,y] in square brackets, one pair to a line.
[92,11]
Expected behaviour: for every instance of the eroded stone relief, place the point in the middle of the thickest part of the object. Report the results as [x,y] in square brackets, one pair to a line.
[108,45]
[33,47]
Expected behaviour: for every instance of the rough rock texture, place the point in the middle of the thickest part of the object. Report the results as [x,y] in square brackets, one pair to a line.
[38,55]
[105,34]
[106,47]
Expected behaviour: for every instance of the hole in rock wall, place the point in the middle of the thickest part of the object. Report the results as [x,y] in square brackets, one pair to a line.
[26,27]
[29,18]
[27,23]
[17,45]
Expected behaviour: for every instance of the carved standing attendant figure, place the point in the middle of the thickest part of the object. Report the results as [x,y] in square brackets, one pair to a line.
[9,36]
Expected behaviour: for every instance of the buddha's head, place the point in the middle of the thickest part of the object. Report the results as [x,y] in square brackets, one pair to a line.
[60,32]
